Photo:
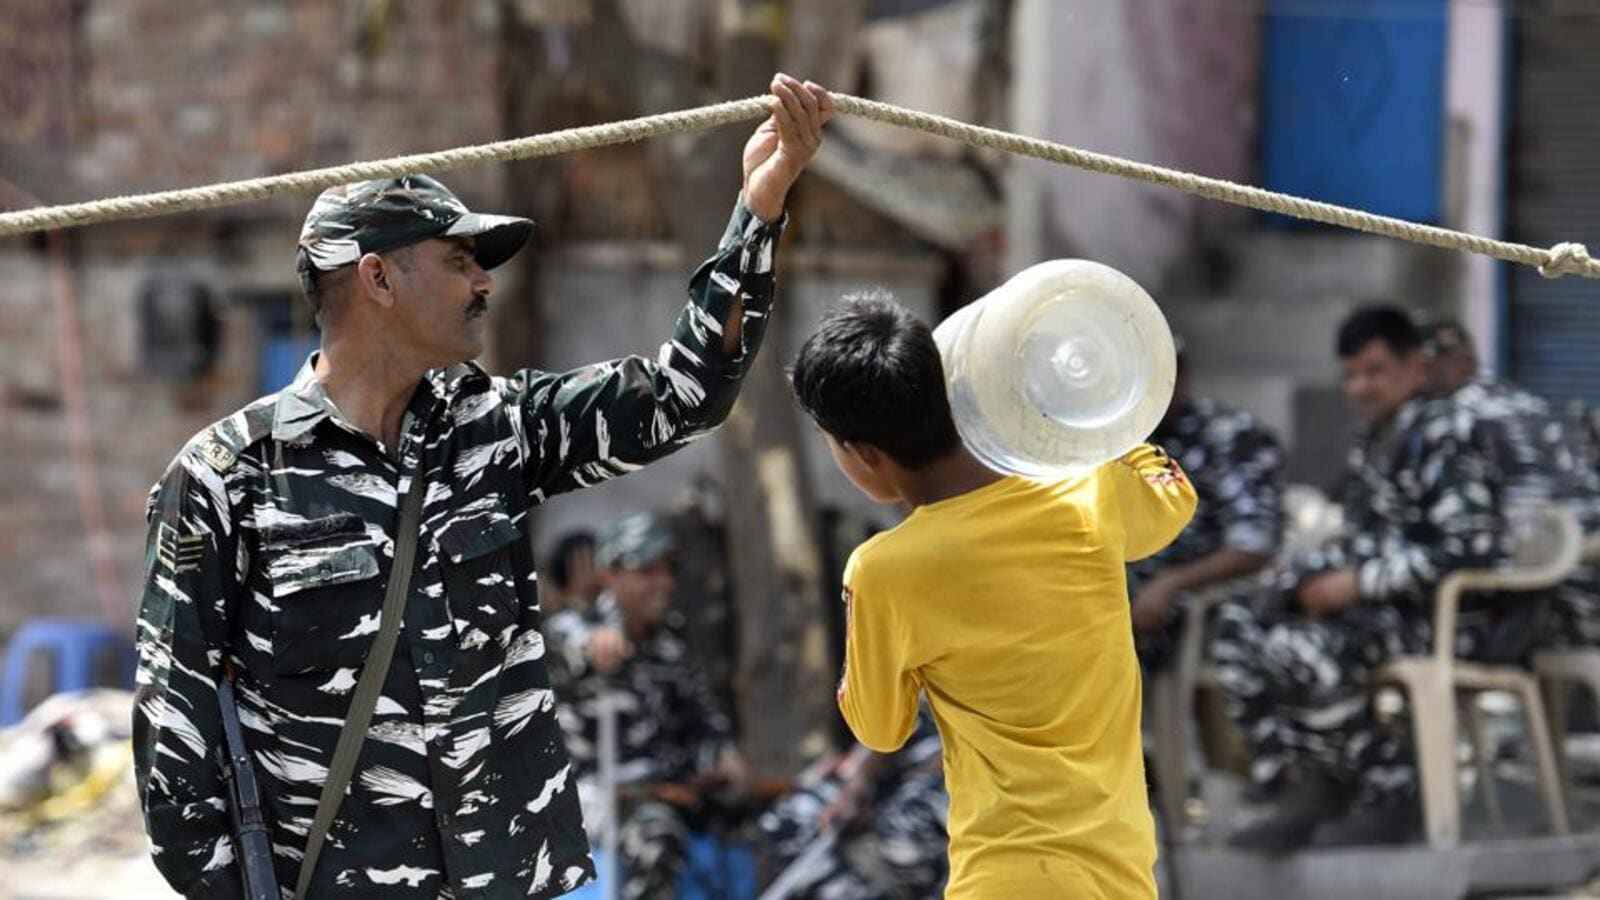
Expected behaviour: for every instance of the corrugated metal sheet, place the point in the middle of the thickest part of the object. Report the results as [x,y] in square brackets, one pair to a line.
[1554,195]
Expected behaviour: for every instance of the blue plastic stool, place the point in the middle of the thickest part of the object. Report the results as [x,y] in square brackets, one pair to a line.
[713,871]
[717,871]
[76,645]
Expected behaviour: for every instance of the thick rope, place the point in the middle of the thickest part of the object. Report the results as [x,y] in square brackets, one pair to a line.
[1561,259]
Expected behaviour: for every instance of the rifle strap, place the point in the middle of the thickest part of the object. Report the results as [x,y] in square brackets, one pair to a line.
[370,684]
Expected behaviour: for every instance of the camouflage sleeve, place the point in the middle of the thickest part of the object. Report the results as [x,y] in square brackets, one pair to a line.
[1249,492]
[189,595]
[1461,527]
[595,423]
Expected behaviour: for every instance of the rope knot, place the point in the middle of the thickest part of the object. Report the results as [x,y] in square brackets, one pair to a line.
[1566,259]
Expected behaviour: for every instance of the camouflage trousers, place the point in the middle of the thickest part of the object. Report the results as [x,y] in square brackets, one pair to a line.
[651,844]
[1297,689]
[898,852]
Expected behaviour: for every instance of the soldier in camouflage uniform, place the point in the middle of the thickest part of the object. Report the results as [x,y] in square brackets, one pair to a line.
[888,812]
[1543,457]
[271,536]
[1422,498]
[675,740]
[1235,466]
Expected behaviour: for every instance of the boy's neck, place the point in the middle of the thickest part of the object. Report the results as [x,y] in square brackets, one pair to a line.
[952,475]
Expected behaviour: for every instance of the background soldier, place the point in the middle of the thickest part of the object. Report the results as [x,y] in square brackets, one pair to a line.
[1236,467]
[1422,499]
[675,741]
[1544,458]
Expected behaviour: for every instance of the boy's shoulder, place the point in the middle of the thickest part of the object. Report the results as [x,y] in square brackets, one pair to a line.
[873,549]
[883,555]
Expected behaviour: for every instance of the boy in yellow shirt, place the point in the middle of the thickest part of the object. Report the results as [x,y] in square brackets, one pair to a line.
[1004,600]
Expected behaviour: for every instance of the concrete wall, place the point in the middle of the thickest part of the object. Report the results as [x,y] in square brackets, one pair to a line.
[136,421]
[1474,84]
[1168,82]
[121,97]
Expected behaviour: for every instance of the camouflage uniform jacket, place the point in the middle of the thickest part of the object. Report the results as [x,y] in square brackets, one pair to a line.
[670,725]
[269,548]
[1545,458]
[1235,465]
[1421,499]
[1542,456]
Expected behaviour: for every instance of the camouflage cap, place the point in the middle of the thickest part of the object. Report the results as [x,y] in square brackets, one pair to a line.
[633,541]
[387,213]
[1445,337]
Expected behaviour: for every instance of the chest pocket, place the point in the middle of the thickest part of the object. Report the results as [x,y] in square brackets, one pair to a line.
[326,594]
[480,578]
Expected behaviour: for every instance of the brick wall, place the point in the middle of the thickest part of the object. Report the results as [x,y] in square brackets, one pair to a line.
[115,97]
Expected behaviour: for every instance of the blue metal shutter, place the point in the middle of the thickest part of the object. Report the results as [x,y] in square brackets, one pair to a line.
[1554,195]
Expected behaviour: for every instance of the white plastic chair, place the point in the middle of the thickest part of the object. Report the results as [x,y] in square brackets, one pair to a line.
[1561,666]
[1170,698]
[1311,520]
[1548,546]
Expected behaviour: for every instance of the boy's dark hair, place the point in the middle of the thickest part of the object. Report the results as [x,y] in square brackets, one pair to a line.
[871,373]
[561,555]
[1389,324]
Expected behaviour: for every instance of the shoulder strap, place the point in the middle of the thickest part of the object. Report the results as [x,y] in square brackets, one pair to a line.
[373,672]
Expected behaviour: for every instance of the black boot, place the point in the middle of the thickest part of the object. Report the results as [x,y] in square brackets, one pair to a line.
[1302,806]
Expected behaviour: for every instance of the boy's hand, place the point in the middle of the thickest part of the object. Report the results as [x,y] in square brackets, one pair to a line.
[783,144]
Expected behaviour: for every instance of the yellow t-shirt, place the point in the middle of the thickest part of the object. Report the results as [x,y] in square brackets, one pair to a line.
[1008,606]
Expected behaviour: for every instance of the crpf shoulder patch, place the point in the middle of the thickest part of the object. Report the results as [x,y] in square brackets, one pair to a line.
[217,454]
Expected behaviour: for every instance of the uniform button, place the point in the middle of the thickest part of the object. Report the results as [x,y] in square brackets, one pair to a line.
[427,658]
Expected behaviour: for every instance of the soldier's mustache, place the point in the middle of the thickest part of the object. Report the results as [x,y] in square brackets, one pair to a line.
[478,306]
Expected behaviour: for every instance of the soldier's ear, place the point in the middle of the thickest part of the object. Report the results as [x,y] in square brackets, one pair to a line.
[373,274]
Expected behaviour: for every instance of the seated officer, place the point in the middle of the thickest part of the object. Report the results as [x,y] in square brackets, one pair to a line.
[675,742]
[1543,457]
[1422,499]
